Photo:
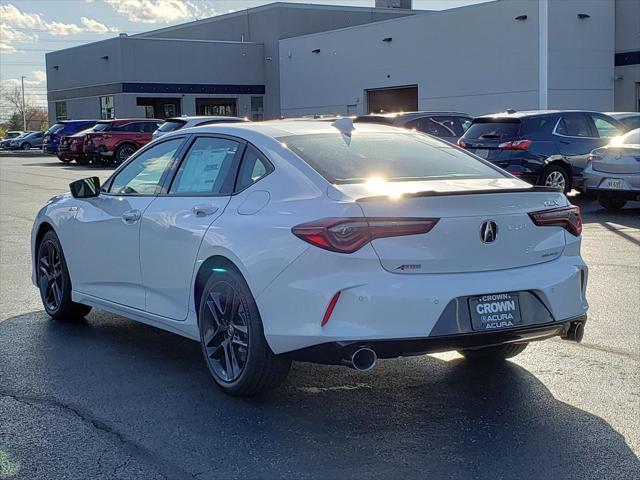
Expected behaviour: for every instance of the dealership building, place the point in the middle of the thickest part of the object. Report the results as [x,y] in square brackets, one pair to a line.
[285,59]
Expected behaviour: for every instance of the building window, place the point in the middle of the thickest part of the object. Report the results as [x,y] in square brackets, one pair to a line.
[61,110]
[148,111]
[257,108]
[107,112]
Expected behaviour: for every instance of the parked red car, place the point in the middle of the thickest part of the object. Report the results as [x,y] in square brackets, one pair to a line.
[71,148]
[113,141]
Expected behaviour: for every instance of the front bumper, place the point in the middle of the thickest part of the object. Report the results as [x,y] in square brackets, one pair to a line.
[335,353]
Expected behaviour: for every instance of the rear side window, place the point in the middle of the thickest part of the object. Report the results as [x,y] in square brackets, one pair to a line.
[436,126]
[254,166]
[171,125]
[489,129]
[205,169]
[148,127]
[101,127]
[533,125]
[574,126]
[391,156]
[56,128]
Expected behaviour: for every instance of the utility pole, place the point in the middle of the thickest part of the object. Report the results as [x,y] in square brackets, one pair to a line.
[24,112]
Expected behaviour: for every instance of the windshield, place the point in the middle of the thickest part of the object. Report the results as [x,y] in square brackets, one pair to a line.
[13,135]
[390,156]
[171,125]
[101,127]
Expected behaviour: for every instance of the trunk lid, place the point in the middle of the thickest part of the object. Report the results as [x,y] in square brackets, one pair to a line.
[459,241]
[623,159]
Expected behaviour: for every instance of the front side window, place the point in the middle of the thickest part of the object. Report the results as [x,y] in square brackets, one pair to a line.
[171,125]
[61,110]
[205,170]
[390,156]
[252,169]
[574,126]
[605,128]
[438,127]
[107,111]
[145,173]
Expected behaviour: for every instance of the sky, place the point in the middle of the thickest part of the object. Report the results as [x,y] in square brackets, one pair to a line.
[30,28]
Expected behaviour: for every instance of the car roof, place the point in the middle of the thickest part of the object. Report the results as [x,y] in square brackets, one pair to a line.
[285,128]
[622,115]
[531,113]
[420,113]
[67,122]
[128,120]
[205,118]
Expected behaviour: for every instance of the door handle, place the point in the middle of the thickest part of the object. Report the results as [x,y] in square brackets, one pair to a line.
[565,142]
[204,210]
[132,216]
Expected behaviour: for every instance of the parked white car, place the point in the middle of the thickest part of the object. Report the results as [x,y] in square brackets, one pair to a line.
[315,241]
[177,123]
[613,172]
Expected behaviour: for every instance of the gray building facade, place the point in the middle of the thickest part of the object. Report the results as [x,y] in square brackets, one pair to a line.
[295,59]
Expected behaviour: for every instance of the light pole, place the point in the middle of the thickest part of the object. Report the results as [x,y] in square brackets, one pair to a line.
[24,113]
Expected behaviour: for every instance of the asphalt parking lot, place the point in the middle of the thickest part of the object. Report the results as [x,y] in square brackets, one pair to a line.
[113,399]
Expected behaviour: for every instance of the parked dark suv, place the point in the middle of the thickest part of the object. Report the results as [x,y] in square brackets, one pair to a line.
[542,147]
[63,128]
[446,125]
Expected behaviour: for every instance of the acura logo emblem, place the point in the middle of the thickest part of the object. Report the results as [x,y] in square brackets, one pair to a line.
[488,231]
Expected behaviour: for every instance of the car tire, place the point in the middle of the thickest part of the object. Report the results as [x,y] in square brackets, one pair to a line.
[494,354]
[232,338]
[556,176]
[611,202]
[64,159]
[54,281]
[123,152]
[25,146]
[83,160]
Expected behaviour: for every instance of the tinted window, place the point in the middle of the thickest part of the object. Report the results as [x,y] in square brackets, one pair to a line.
[101,127]
[489,129]
[533,125]
[144,174]
[171,125]
[56,128]
[574,126]
[436,126]
[392,156]
[605,128]
[631,122]
[149,127]
[253,168]
[206,166]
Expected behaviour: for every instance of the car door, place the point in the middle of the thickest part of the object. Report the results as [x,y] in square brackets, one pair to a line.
[176,221]
[102,242]
[575,138]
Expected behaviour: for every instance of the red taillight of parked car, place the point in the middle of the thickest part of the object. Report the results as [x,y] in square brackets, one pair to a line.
[569,218]
[515,145]
[347,235]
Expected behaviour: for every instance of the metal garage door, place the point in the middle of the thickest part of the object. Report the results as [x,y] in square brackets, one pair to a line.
[393,99]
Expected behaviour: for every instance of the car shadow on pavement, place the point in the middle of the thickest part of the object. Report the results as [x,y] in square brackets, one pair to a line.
[418,417]
[72,166]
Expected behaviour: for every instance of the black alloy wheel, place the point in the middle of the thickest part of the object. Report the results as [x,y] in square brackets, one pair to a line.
[226,331]
[50,278]
[124,152]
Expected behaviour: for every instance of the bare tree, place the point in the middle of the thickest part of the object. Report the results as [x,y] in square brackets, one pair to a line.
[11,96]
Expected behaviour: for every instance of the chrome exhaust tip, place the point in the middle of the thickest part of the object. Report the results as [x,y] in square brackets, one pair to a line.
[363,359]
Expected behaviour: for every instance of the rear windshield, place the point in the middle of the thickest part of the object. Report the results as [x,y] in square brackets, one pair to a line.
[392,156]
[171,125]
[56,128]
[101,127]
[489,129]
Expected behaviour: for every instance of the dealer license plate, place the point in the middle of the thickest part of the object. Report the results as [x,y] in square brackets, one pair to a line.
[495,312]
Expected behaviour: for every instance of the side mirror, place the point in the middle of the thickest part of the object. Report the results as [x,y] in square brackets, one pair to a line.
[85,187]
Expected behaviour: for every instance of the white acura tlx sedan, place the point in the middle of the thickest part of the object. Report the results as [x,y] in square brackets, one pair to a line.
[315,241]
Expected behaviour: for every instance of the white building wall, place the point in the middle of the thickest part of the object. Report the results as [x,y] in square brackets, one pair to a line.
[477,59]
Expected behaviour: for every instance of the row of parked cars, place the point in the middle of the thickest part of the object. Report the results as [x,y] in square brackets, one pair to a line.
[113,141]
[17,140]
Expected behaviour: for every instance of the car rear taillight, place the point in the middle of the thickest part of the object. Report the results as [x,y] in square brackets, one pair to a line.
[347,235]
[569,218]
[461,143]
[515,145]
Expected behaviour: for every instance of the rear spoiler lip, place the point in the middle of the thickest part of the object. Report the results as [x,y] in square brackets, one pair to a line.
[432,193]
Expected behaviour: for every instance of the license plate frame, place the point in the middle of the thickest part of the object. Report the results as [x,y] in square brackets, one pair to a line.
[614,183]
[495,311]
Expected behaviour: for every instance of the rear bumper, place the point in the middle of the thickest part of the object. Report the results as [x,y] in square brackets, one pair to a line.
[376,305]
[334,353]
[595,181]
